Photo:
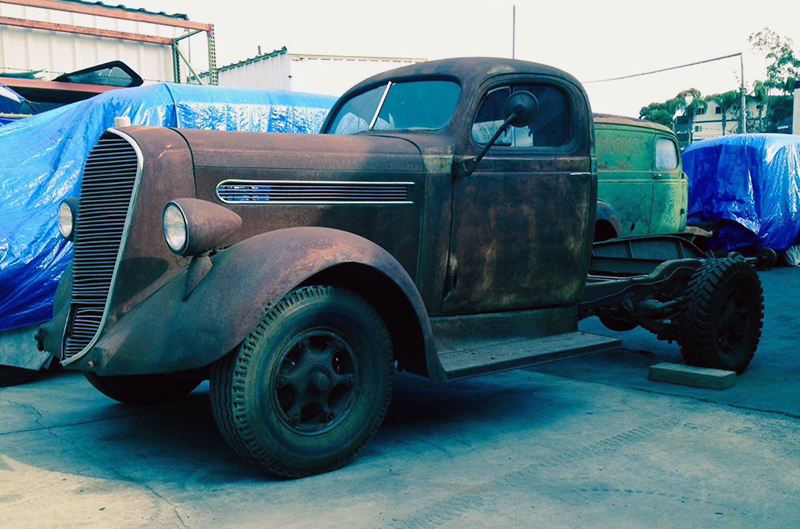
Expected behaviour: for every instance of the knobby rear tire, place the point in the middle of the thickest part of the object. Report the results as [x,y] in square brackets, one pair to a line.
[722,315]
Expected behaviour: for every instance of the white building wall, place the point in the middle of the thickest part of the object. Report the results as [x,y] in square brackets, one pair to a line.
[316,74]
[24,49]
[335,75]
[709,125]
[269,73]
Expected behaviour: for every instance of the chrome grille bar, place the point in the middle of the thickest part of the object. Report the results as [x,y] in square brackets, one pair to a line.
[282,192]
[107,191]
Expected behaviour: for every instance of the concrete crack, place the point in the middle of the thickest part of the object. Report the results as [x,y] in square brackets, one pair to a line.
[113,471]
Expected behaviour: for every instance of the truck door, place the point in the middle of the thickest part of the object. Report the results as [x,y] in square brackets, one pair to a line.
[522,222]
[625,174]
[670,188]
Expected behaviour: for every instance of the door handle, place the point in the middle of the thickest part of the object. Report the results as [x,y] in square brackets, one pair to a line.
[658,176]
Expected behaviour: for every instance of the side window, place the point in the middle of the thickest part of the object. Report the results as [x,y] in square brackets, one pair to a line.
[666,154]
[550,129]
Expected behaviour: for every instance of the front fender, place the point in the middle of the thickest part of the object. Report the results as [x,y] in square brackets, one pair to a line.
[165,334]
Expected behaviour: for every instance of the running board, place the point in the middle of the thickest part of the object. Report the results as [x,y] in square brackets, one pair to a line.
[480,358]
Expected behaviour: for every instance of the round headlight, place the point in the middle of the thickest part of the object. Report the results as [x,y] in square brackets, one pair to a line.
[175,228]
[66,217]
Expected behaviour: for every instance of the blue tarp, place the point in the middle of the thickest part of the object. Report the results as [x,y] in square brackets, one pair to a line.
[41,159]
[751,184]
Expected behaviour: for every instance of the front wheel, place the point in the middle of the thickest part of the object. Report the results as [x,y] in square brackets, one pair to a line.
[723,311]
[310,385]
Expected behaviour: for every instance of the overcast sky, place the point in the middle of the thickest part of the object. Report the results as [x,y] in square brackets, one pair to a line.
[589,39]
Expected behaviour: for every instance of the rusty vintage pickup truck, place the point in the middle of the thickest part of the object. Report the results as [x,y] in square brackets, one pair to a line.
[441,224]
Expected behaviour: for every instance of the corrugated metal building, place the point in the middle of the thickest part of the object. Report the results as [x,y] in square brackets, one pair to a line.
[54,37]
[319,74]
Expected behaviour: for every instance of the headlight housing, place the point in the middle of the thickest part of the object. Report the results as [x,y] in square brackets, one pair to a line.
[67,213]
[194,227]
[176,228]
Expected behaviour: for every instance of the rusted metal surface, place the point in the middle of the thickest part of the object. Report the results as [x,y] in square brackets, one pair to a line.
[81,30]
[147,263]
[15,82]
[513,235]
[208,225]
[288,158]
[108,12]
[165,334]
[646,198]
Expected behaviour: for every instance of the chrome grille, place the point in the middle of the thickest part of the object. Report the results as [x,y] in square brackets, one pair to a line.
[279,192]
[109,177]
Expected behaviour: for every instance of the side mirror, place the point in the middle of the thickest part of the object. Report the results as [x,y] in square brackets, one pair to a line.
[520,110]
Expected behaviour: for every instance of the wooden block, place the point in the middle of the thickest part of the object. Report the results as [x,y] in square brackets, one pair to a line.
[697,377]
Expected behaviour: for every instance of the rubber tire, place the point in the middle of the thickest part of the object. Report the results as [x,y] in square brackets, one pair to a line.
[709,286]
[241,401]
[142,390]
[12,376]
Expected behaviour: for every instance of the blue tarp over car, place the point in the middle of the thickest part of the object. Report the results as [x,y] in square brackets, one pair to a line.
[42,157]
[750,185]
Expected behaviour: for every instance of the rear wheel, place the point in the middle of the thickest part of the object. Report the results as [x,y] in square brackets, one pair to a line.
[310,385]
[723,311]
[142,390]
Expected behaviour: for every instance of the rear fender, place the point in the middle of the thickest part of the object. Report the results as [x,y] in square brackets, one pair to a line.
[166,334]
[606,214]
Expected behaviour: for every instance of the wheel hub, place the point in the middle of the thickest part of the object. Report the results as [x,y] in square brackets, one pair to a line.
[316,384]
[319,382]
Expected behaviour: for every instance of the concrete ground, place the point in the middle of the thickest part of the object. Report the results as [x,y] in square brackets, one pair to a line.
[583,443]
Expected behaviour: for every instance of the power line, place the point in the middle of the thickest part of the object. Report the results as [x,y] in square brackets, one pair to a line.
[664,69]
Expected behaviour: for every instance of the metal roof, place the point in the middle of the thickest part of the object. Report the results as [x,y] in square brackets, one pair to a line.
[128,9]
[625,120]
[251,60]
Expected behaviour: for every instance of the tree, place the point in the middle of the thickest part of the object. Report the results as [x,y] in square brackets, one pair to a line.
[726,101]
[761,96]
[686,102]
[783,65]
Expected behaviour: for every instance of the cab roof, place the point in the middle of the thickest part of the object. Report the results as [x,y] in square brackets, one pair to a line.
[633,122]
[467,70]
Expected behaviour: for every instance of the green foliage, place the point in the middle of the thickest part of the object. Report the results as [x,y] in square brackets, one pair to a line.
[779,114]
[783,65]
[726,102]
[687,102]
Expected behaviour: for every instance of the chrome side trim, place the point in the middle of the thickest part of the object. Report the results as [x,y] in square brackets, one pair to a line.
[310,202]
[125,231]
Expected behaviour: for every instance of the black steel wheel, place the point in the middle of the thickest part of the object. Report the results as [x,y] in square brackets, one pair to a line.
[310,385]
[723,311]
[142,390]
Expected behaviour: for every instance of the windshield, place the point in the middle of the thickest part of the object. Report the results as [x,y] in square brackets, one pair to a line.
[413,105]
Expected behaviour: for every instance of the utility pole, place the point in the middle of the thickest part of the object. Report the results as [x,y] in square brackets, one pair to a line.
[744,97]
[514,32]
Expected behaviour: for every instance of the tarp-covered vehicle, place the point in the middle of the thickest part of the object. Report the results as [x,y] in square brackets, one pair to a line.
[746,189]
[442,223]
[42,159]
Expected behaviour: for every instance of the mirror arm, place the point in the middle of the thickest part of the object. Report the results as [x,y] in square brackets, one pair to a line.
[467,166]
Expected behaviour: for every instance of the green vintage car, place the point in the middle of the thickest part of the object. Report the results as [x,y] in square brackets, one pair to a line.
[642,189]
